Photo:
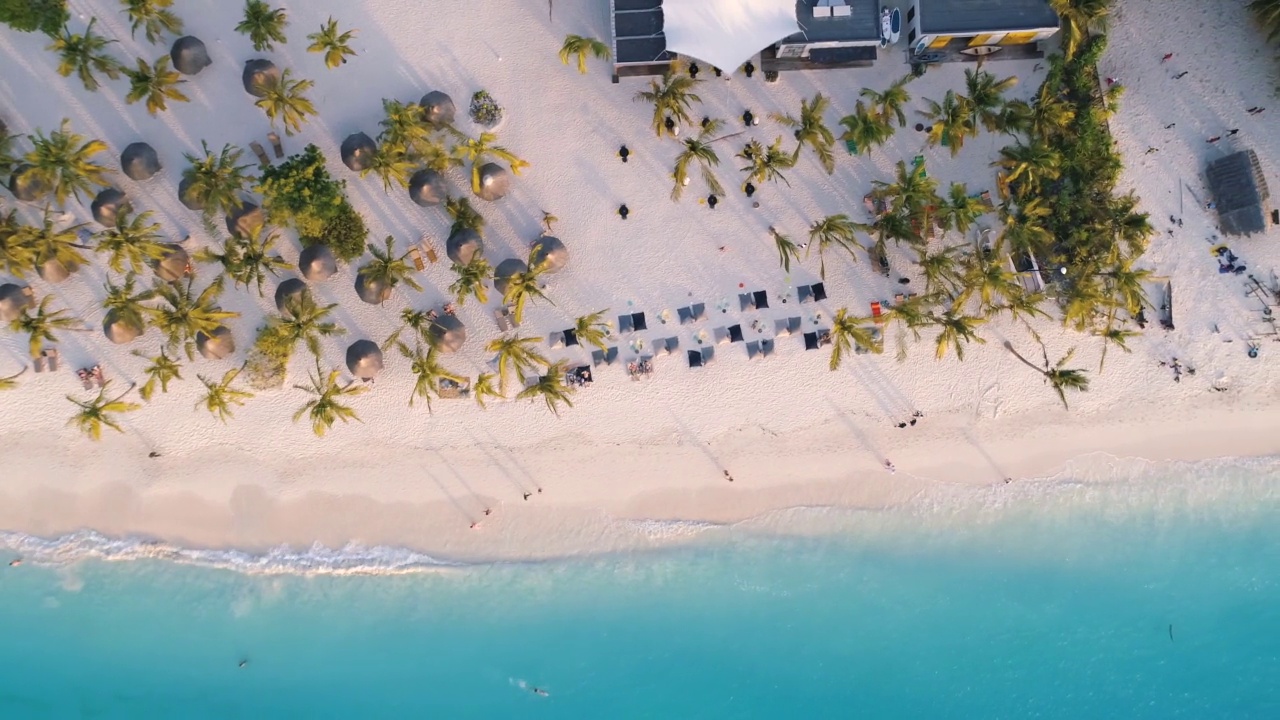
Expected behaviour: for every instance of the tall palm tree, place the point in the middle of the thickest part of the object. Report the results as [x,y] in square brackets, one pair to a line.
[43,323]
[95,414]
[157,83]
[952,122]
[387,268]
[84,55]
[1078,19]
[133,240]
[1028,167]
[463,214]
[522,287]
[985,100]
[52,245]
[988,277]
[483,388]
[471,280]
[866,129]
[1051,113]
[960,210]
[336,46]
[1082,302]
[64,162]
[672,98]
[428,372]
[592,329]
[162,370]
[1125,284]
[1268,12]
[767,163]
[698,149]
[1025,227]
[263,25]
[124,303]
[911,314]
[890,103]
[516,355]
[306,321]
[551,388]
[283,98]
[477,151]
[833,230]
[580,47]
[391,163]
[17,255]
[219,396]
[404,127]
[1114,335]
[940,271]
[327,404]
[847,332]
[186,314]
[216,180]
[154,17]
[419,321]
[787,250]
[957,330]
[810,129]
[247,260]
[1132,228]
[10,382]
[1060,377]
[912,192]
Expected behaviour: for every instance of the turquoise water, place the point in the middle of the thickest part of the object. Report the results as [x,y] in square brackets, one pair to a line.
[1046,609]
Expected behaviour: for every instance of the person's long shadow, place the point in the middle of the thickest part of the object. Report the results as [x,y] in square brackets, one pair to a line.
[498,463]
[858,433]
[968,436]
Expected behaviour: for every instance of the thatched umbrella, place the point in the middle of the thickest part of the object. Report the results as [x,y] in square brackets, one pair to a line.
[246,220]
[372,290]
[217,345]
[316,263]
[463,245]
[118,330]
[27,185]
[447,334]
[188,196]
[258,73]
[495,182]
[505,271]
[139,161]
[291,288]
[548,254]
[427,187]
[358,151]
[173,266]
[364,359]
[13,300]
[109,203]
[438,108]
[55,271]
[189,55]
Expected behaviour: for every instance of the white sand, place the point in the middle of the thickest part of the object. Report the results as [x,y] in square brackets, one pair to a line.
[790,432]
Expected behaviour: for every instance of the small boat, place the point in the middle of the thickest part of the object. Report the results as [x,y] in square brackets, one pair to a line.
[886,27]
[981,50]
[895,26]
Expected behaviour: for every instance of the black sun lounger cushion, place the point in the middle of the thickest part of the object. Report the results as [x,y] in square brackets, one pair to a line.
[811,341]
[761,299]
[735,333]
[695,359]
[637,319]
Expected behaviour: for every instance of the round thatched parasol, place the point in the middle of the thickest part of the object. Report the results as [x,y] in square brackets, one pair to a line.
[26,184]
[364,359]
[358,151]
[495,182]
[217,345]
[55,271]
[438,108]
[505,271]
[447,334]
[188,196]
[120,331]
[13,300]
[316,263]
[287,290]
[463,245]
[139,161]
[109,203]
[257,74]
[189,55]
[549,255]
[246,220]
[427,187]
[173,266]
[371,290]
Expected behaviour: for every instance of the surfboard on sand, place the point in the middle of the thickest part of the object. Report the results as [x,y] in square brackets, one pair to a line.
[886,27]
[895,26]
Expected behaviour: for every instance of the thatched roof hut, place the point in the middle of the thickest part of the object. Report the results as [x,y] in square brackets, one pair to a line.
[54,270]
[188,196]
[372,290]
[288,290]
[258,74]
[108,204]
[173,266]
[495,182]
[189,55]
[27,185]
[438,108]
[13,300]
[364,359]
[317,263]
[549,255]
[139,161]
[119,330]
[427,187]
[463,245]
[447,334]
[246,220]
[217,345]
[505,271]
[358,151]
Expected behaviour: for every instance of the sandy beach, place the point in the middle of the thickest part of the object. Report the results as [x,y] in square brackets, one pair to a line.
[788,431]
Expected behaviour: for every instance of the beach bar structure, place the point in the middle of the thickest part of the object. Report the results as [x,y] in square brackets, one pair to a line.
[938,30]
[1240,193]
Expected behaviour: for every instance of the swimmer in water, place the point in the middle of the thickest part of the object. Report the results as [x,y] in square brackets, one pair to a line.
[540,691]
[15,562]
[244,663]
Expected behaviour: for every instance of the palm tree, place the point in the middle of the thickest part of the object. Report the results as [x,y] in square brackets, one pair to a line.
[8,158]
[1051,114]
[952,122]
[97,413]
[387,269]
[154,16]
[889,104]
[581,47]
[767,163]
[787,250]
[833,230]
[64,162]
[698,148]
[263,25]
[157,83]
[1029,165]
[1024,228]
[51,245]
[483,388]
[912,193]
[463,214]
[551,388]
[419,321]
[305,320]
[960,210]
[41,325]
[429,372]
[471,280]
[672,98]
[521,287]
[989,278]
[866,129]
[16,253]
[391,163]
[939,270]
[477,150]
[185,314]
[283,98]
[1079,18]
[336,46]
[161,371]
[956,330]
[404,127]
[219,396]
[911,313]
[1132,228]
[1125,284]
[811,130]
[216,180]
[1081,302]
[985,99]
[1060,377]
[1113,335]
[847,332]
[1268,12]
[9,383]
[84,55]
[124,303]
[248,260]
[592,329]
[515,355]
[133,240]
[326,405]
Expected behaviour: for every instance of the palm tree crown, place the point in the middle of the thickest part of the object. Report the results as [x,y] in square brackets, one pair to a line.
[551,388]
[133,241]
[672,98]
[471,280]
[810,129]
[125,304]
[157,83]
[516,355]
[154,16]
[283,99]
[847,332]
[162,370]
[698,149]
[952,122]
[428,372]
[326,406]
[580,47]
[42,324]
[186,314]
[84,55]
[305,320]
[833,230]
[890,103]
[767,163]
[93,415]
[219,396]
[521,287]
[477,150]
[985,101]
[388,269]
[1058,376]
[336,46]
[263,25]
[866,129]
[592,329]
[64,162]
[216,180]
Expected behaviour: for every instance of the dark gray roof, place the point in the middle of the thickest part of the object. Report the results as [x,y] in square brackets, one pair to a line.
[1239,192]
[863,23]
[637,32]
[969,16]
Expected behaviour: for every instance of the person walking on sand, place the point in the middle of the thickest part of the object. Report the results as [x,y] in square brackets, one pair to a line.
[749,189]
[1112,81]
[527,495]
[1214,139]
[624,153]
[1167,57]
[1151,150]
[889,466]
[1232,132]
[623,212]
[727,476]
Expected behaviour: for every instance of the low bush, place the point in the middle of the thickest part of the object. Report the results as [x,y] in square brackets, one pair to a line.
[46,16]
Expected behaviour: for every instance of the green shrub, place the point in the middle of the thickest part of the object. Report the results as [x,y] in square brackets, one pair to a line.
[47,16]
[300,193]
[345,234]
[268,359]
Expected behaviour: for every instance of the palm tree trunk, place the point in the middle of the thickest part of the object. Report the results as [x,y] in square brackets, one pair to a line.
[1009,346]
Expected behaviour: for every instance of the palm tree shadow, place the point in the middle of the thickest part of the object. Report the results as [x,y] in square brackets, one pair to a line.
[858,433]
[450,496]
[972,440]
[685,432]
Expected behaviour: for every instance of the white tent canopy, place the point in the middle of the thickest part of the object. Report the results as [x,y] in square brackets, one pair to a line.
[726,33]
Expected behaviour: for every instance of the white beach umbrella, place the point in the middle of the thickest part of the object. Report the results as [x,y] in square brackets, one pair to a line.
[726,33]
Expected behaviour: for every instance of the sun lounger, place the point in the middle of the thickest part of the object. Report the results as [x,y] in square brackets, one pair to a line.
[580,375]
[606,357]
[877,312]
[720,335]
[708,355]
[428,248]
[699,311]
[753,350]
[416,256]
[667,346]
[450,390]
[260,152]
[37,361]
[789,326]
[51,358]
[570,337]
[274,139]
[626,323]
[735,333]
[504,319]
[637,320]
[761,299]
[86,378]
[98,377]
[766,347]
[882,260]
[746,301]
[824,337]
[804,294]
[695,359]
[819,291]
[556,340]
[811,341]
[685,315]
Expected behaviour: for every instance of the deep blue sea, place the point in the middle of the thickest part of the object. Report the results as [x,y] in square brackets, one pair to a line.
[1152,596]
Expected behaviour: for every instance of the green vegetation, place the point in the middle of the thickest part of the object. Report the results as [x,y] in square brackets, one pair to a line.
[471,280]
[477,151]
[551,388]
[848,332]
[246,260]
[40,326]
[154,17]
[1058,376]
[326,406]
[185,314]
[303,320]
[157,83]
[672,98]
[84,55]
[283,99]
[219,395]
[516,356]
[63,161]
[216,181]
[162,370]
[592,329]
[11,382]
[300,193]
[698,149]
[336,46]
[46,16]
[810,129]
[522,287]
[576,46]
[93,415]
[428,372]
[264,25]
[766,163]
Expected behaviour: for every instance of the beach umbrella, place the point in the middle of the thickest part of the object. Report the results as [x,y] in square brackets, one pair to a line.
[495,181]
[463,245]
[316,263]
[13,300]
[189,55]
[27,185]
[447,334]
[55,271]
[549,255]
[258,73]
[109,203]
[246,220]
[372,290]
[364,359]
[357,151]
[139,161]
[505,271]
[119,331]
[217,345]
[188,196]
[291,288]
[438,108]
[172,267]
[427,187]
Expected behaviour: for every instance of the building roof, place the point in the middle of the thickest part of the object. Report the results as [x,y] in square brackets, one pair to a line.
[976,16]
[862,23]
[637,32]
[1239,192]
[726,33]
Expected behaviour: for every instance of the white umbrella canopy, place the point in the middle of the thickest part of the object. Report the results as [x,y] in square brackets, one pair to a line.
[726,33]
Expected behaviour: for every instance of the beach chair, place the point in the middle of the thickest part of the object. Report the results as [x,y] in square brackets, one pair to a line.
[811,341]
[761,299]
[819,291]
[746,301]
[604,357]
[790,326]
[626,324]
[708,356]
[503,317]
[735,333]
[37,361]
[555,340]
[570,337]
[766,348]
[583,374]
[877,312]
[428,249]
[685,314]
[984,197]
[261,153]
[917,162]
[695,359]
[849,145]
[668,346]
[753,350]
[720,335]
[699,311]
[274,139]
[804,294]
[638,322]
[415,254]
[51,359]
